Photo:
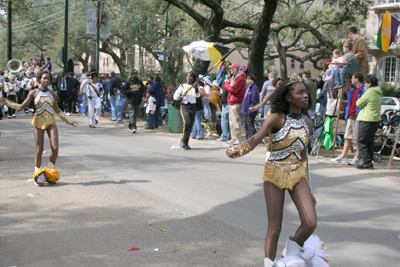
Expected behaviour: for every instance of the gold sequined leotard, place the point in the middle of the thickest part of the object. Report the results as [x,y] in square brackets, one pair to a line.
[284,167]
[44,112]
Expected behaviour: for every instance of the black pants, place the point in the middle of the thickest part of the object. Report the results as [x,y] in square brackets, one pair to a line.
[133,113]
[188,112]
[249,126]
[12,98]
[64,101]
[74,100]
[365,141]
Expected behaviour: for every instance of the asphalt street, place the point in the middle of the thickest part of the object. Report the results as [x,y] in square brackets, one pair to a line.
[118,190]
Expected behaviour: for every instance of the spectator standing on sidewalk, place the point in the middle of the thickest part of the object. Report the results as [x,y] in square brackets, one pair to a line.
[312,89]
[351,114]
[251,98]
[226,130]
[133,92]
[160,99]
[266,89]
[236,86]
[120,103]
[369,119]
[150,109]
[75,84]
[105,84]
[115,82]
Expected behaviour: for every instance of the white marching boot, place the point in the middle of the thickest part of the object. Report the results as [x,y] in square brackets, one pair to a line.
[292,248]
[268,263]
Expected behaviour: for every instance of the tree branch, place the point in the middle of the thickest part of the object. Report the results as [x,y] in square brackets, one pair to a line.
[188,10]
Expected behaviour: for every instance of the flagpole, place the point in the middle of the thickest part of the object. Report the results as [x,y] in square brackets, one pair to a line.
[222,59]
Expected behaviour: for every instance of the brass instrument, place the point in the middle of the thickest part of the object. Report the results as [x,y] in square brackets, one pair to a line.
[14,65]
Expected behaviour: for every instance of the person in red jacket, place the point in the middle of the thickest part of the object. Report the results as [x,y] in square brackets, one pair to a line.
[236,87]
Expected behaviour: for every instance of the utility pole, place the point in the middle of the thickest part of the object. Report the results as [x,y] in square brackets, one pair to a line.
[65,48]
[9,31]
[165,42]
[98,35]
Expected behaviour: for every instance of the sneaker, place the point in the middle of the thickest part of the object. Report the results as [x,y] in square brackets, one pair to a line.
[13,115]
[339,159]
[220,139]
[328,78]
[9,117]
[230,141]
[355,162]
[337,87]
[92,126]
[96,121]
[133,131]
[68,114]
[237,142]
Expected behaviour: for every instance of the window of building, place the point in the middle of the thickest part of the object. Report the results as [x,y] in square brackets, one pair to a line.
[302,65]
[388,70]
[292,63]
[107,62]
[104,61]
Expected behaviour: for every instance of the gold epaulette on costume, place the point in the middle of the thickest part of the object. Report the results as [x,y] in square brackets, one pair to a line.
[284,174]
[52,175]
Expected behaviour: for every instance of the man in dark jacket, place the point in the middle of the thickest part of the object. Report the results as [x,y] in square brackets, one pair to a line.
[160,100]
[64,92]
[115,82]
[75,84]
[133,92]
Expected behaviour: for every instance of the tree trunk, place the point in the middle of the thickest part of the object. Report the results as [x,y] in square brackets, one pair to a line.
[282,55]
[260,40]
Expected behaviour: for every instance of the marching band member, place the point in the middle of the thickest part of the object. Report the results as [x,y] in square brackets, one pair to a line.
[11,90]
[43,121]
[21,85]
[93,92]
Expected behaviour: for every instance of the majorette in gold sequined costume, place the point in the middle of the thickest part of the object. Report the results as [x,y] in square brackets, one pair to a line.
[43,118]
[284,168]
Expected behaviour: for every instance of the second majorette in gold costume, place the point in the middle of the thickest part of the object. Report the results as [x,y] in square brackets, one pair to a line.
[43,121]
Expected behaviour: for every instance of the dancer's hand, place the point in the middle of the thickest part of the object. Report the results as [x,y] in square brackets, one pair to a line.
[314,200]
[253,109]
[74,123]
[231,152]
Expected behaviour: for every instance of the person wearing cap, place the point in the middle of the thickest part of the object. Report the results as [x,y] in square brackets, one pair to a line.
[64,92]
[236,87]
[75,84]
[93,93]
[133,91]
[115,82]
[312,89]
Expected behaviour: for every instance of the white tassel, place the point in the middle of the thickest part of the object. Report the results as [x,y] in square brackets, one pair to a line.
[314,252]
[290,261]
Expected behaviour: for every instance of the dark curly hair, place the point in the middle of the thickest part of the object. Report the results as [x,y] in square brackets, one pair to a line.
[45,71]
[279,104]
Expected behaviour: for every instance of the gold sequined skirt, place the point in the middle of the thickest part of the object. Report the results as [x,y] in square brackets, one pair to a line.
[285,174]
[44,121]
